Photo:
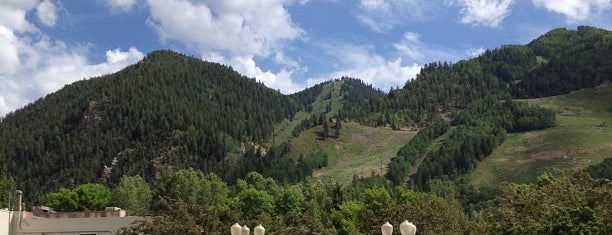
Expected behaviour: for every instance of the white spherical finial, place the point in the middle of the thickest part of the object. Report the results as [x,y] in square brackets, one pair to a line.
[407,228]
[245,230]
[259,230]
[236,229]
[387,228]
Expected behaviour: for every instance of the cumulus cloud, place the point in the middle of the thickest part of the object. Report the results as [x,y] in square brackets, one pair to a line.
[247,66]
[13,14]
[282,59]
[66,67]
[281,80]
[383,71]
[575,10]
[384,15]
[33,65]
[9,58]
[475,52]
[47,13]
[52,69]
[233,32]
[489,13]
[411,47]
[363,63]
[231,26]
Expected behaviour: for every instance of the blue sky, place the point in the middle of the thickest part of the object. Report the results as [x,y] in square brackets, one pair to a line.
[287,44]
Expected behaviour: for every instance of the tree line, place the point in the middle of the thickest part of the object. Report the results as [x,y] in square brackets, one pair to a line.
[476,131]
[189,201]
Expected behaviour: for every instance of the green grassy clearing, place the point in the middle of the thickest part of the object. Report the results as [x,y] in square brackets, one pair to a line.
[330,95]
[582,137]
[360,150]
[283,131]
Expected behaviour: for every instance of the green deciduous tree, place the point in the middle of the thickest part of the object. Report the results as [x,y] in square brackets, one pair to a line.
[288,201]
[133,194]
[433,215]
[576,205]
[346,217]
[254,203]
[196,188]
[377,200]
[85,197]
[93,197]
[63,200]
[175,219]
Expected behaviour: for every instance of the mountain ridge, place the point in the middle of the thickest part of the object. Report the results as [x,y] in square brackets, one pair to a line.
[137,115]
[172,111]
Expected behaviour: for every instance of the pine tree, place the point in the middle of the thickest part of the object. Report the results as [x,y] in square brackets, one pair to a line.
[338,126]
[325,129]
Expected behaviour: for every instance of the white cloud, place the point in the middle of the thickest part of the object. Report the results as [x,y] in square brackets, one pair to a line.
[488,13]
[475,52]
[575,10]
[117,56]
[50,69]
[383,75]
[281,80]
[233,32]
[247,66]
[411,47]
[231,26]
[13,15]
[47,13]
[33,65]
[67,67]
[123,5]
[281,59]
[363,63]
[9,58]
[384,15]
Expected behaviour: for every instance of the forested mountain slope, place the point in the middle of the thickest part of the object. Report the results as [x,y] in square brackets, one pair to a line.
[558,62]
[168,109]
[469,94]
[350,92]
[171,111]
[571,60]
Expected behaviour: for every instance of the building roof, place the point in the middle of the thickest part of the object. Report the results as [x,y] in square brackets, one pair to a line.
[98,224]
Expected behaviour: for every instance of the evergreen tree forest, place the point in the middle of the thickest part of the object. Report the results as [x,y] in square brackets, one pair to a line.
[195,145]
[168,109]
[474,133]
[558,62]
[308,96]
[573,60]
